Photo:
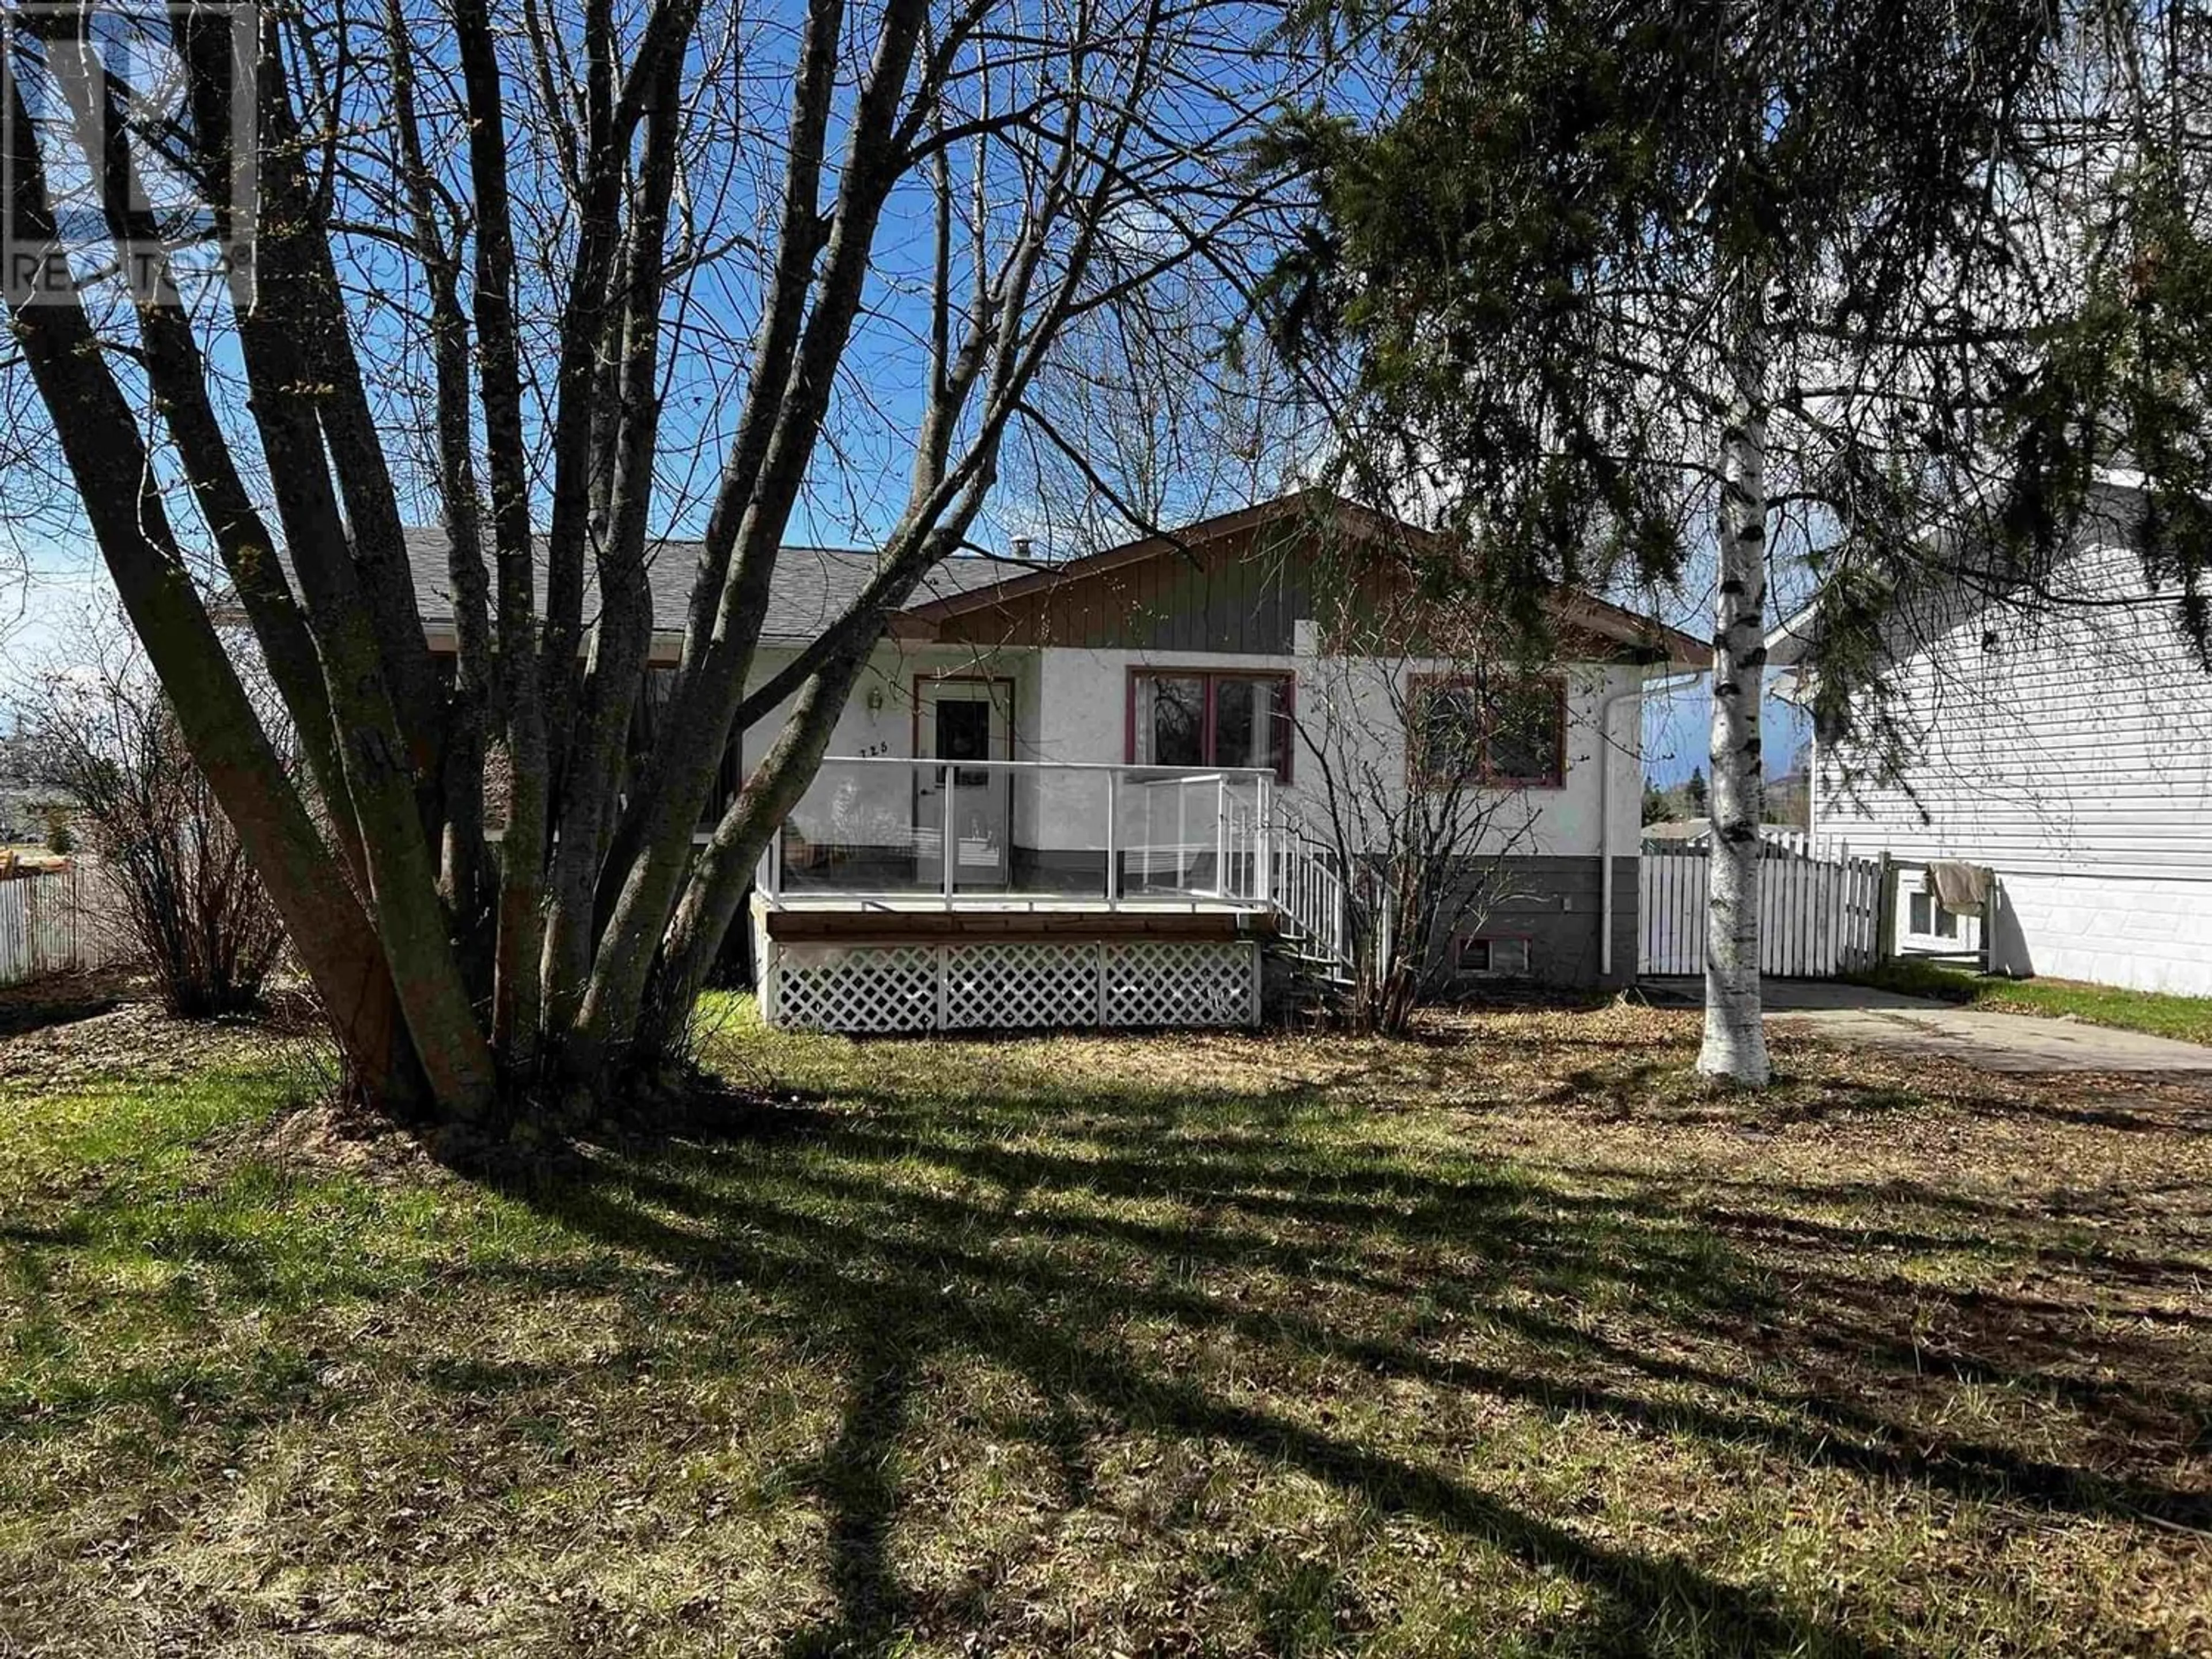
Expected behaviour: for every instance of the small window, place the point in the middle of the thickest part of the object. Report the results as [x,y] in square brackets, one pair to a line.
[1171,720]
[1448,733]
[1512,735]
[1929,919]
[1493,959]
[1528,736]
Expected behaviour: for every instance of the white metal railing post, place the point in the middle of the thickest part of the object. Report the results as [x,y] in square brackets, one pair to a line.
[1182,834]
[1263,852]
[1221,836]
[947,839]
[1113,838]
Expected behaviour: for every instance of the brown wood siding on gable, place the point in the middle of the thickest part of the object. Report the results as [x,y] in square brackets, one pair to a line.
[1244,591]
[1244,594]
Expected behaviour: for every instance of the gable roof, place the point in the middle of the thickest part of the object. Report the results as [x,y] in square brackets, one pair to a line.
[1322,508]
[813,586]
[1342,515]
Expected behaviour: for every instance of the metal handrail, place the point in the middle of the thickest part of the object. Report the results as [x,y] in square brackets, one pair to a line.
[1309,895]
[1168,774]
[1264,856]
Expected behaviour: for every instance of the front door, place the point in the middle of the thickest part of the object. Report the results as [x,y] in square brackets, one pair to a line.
[964,721]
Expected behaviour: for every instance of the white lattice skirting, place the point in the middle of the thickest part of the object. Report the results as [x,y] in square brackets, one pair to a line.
[1012,985]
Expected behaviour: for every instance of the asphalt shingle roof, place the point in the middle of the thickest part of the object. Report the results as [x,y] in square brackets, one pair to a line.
[812,586]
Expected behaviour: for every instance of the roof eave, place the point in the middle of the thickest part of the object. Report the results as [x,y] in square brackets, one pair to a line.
[1789,640]
[1670,646]
[1347,514]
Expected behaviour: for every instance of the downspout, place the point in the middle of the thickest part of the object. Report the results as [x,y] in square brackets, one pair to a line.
[1665,684]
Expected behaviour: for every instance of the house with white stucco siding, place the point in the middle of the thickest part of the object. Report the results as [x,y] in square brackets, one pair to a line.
[1087,792]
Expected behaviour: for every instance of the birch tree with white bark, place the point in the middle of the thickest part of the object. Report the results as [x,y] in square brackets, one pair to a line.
[561,275]
[1660,298]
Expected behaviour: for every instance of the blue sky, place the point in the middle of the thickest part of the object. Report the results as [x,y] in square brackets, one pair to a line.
[859,478]
[1675,727]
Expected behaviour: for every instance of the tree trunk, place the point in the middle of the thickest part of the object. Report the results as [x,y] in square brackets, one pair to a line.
[622,639]
[336,940]
[462,981]
[1736,1034]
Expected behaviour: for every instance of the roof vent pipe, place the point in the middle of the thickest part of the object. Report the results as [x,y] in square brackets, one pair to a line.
[1022,546]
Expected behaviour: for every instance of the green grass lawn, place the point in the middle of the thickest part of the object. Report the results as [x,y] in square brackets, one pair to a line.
[2188,1018]
[1507,1340]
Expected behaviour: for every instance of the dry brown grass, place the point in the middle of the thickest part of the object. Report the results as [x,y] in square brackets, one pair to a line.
[1512,1338]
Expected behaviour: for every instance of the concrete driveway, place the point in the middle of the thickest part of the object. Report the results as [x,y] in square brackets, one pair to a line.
[1993,1042]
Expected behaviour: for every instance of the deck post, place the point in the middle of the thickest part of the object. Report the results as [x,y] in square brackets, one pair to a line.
[947,835]
[1113,852]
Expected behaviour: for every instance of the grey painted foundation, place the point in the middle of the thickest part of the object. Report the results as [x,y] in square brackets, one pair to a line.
[1556,904]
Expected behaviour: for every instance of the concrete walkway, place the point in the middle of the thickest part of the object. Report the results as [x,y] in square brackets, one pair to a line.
[1993,1042]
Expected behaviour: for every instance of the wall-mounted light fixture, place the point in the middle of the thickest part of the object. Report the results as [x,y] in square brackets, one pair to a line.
[875,700]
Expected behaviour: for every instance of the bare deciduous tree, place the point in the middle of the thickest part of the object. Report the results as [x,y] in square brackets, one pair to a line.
[570,273]
[1423,727]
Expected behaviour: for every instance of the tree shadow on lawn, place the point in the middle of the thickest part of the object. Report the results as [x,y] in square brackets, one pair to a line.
[902,1233]
[1086,1237]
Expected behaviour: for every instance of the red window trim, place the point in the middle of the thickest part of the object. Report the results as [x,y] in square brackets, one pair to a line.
[1421,686]
[1171,671]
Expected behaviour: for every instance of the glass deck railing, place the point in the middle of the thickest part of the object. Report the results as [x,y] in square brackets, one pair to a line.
[893,827]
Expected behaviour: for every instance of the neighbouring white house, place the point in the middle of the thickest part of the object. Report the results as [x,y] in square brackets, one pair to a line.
[1087,793]
[2061,738]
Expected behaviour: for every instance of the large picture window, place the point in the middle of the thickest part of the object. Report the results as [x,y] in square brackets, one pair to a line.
[1466,729]
[1180,717]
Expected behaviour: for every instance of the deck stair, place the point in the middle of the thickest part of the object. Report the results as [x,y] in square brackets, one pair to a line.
[1306,889]
[1309,962]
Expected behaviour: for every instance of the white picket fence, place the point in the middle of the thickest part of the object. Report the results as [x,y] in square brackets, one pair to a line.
[42,926]
[1820,910]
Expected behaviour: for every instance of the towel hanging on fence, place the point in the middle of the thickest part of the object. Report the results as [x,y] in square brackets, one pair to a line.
[1961,889]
